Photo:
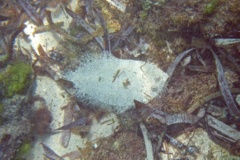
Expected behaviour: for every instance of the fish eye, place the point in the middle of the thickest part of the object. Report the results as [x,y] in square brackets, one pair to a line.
[192,149]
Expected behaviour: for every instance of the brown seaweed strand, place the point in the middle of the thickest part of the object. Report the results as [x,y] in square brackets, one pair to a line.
[87,27]
[30,10]
[224,88]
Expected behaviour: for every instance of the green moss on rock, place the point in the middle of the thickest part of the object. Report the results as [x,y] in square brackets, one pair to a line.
[15,79]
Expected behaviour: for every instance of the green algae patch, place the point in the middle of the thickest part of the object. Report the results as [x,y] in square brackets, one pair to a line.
[1,111]
[15,79]
[1,108]
[23,150]
[210,7]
